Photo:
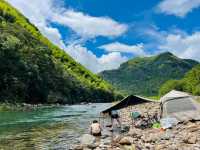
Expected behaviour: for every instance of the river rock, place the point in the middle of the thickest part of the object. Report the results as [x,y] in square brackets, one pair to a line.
[159,147]
[92,146]
[134,132]
[78,147]
[117,139]
[193,128]
[126,141]
[148,138]
[128,147]
[148,145]
[87,139]
[190,138]
[106,141]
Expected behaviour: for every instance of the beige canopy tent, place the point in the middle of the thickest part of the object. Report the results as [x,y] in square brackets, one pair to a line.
[180,105]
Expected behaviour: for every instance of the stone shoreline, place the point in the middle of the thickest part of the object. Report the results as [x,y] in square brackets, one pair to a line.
[184,136]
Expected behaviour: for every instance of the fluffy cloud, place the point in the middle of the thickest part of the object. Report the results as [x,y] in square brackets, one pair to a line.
[120,47]
[53,35]
[177,41]
[41,12]
[37,11]
[89,26]
[95,64]
[111,61]
[183,45]
[178,7]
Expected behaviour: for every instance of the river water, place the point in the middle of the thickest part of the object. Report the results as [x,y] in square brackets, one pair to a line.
[55,127]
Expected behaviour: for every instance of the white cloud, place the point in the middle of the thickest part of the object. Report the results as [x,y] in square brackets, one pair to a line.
[111,61]
[95,64]
[183,45]
[120,47]
[178,8]
[89,26]
[177,41]
[53,35]
[40,13]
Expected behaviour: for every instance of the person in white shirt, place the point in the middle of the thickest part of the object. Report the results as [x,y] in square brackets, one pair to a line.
[95,128]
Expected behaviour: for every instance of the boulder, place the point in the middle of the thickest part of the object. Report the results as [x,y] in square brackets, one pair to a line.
[190,138]
[126,141]
[92,146]
[87,139]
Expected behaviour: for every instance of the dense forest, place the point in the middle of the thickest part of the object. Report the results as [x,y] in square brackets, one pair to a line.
[33,70]
[190,83]
[145,75]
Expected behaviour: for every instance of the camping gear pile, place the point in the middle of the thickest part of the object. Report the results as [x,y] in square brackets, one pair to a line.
[136,111]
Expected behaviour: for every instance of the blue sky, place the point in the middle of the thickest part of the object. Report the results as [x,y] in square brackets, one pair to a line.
[102,34]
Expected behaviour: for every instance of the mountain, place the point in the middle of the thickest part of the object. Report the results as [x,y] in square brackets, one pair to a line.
[145,75]
[33,70]
[190,83]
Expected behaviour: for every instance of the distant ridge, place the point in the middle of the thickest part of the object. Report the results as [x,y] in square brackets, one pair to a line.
[145,75]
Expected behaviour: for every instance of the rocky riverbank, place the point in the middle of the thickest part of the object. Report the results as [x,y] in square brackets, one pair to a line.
[24,106]
[184,136]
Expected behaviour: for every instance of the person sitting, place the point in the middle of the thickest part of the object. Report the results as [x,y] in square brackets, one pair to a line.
[115,116]
[95,128]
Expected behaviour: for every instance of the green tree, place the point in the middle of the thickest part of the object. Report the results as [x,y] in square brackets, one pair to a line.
[190,83]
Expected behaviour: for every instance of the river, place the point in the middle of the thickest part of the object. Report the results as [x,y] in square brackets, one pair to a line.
[55,127]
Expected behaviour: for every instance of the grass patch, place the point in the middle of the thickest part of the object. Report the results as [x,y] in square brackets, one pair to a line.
[155,98]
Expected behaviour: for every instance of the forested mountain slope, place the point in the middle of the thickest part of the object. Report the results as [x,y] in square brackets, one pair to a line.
[145,75]
[190,83]
[33,70]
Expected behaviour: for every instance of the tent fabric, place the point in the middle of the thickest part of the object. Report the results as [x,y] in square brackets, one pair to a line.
[130,100]
[174,94]
[180,105]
